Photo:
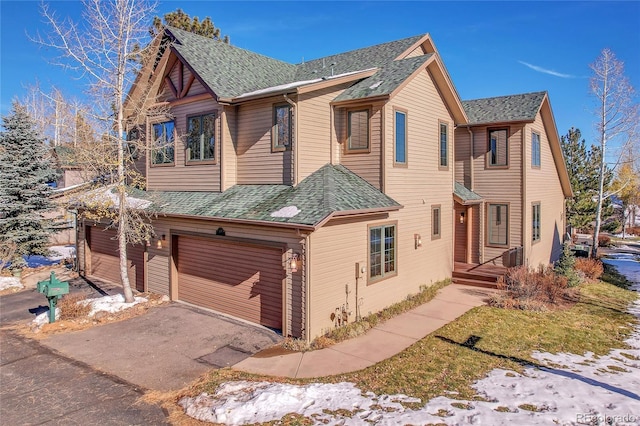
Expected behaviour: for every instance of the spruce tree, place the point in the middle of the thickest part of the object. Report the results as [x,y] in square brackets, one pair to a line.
[25,169]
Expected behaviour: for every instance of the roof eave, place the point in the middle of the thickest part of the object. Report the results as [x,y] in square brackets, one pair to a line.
[243,221]
[358,212]
[360,100]
[546,113]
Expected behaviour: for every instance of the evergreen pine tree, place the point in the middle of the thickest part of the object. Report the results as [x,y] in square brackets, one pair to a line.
[565,266]
[25,169]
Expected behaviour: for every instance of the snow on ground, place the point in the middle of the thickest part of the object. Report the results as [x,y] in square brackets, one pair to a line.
[58,253]
[565,389]
[10,282]
[43,318]
[111,304]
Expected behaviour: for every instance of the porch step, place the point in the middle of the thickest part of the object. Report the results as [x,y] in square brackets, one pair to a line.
[475,283]
[476,276]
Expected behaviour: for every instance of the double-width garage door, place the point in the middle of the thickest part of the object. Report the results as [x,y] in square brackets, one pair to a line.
[105,261]
[243,280]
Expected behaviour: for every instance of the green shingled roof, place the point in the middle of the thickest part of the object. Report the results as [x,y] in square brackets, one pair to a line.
[465,195]
[329,191]
[386,80]
[523,107]
[230,71]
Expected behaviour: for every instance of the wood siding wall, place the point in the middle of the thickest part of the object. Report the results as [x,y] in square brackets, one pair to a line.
[179,176]
[543,186]
[367,165]
[491,183]
[229,161]
[462,154]
[339,245]
[315,132]
[256,163]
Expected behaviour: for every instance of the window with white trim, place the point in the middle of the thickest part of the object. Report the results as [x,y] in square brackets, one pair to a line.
[382,251]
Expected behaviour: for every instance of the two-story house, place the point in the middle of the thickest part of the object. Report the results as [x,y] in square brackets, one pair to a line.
[302,197]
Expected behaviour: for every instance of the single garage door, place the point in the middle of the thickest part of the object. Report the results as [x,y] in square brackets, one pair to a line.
[242,280]
[105,261]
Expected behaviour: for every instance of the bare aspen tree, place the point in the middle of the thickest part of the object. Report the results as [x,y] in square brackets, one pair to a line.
[617,119]
[106,48]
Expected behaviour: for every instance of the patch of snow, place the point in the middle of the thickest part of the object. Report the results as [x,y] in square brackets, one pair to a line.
[111,304]
[10,282]
[565,389]
[62,252]
[289,211]
[375,85]
[43,318]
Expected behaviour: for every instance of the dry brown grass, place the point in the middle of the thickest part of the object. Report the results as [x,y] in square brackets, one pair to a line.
[591,268]
[71,308]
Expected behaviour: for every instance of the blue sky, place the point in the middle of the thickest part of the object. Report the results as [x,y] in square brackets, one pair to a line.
[489,48]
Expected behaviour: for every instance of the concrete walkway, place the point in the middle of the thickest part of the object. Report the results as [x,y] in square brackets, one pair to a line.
[379,343]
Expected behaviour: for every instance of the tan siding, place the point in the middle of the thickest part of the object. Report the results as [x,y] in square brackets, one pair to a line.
[315,130]
[256,163]
[491,183]
[159,276]
[543,185]
[179,176]
[462,154]
[366,165]
[229,162]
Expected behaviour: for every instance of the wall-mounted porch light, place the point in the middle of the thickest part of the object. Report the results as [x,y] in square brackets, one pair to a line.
[417,240]
[461,217]
[160,242]
[294,263]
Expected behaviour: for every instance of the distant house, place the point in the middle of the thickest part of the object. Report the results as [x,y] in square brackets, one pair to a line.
[302,197]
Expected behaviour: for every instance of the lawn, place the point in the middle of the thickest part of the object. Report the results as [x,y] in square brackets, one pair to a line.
[466,350]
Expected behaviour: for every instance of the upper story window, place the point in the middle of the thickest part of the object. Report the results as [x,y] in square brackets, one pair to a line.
[163,150]
[498,224]
[444,146]
[382,251]
[134,136]
[535,149]
[281,130]
[498,148]
[201,140]
[358,131]
[400,130]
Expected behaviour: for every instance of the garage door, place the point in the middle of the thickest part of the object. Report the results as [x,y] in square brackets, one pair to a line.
[105,261]
[237,279]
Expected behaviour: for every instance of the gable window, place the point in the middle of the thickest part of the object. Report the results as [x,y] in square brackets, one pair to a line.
[444,146]
[400,138]
[358,131]
[498,150]
[382,251]
[435,222]
[201,140]
[535,222]
[281,131]
[163,149]
[535,149]
[498,224]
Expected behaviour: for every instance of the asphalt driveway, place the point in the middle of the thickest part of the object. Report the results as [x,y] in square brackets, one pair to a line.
[165,349]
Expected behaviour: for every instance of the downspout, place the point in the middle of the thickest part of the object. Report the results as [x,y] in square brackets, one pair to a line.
[523,232]
[307,287]
[223,117]
[294,142]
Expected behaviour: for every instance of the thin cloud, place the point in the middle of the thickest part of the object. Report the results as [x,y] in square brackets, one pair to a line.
[546,71]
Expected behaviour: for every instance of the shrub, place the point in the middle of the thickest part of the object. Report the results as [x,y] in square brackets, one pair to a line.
[604,241]
[633,230]
[565,266]
[591,268]
[71,306]
[530,289]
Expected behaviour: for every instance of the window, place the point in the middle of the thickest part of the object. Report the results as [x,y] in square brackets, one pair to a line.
[400,137]
[444,145]
[382,251]
[163,143]
[498,225]
[133,140]
[201,140]
[435,222]
[498,154]
[281,131]
[358,131]
[535,222]
[535,150]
